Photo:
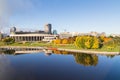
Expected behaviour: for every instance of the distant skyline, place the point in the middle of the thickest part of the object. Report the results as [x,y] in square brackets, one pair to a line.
[69,15]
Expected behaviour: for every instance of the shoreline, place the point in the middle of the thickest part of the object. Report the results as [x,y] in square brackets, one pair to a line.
[90,52]
[61,49]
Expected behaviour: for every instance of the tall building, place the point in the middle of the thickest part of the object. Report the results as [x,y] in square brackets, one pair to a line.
[13,30]
[48,28]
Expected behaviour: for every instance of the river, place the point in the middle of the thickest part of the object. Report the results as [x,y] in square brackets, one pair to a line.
[58,65]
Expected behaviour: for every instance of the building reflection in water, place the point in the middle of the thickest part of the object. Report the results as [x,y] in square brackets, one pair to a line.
[48,54]
[80,58]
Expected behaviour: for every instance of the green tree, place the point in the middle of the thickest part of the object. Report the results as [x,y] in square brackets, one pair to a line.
[8,40]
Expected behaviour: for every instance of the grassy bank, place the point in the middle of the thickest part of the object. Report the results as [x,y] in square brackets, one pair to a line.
[64,46]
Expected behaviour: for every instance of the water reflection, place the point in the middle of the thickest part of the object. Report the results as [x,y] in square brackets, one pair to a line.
[62,52]
[81,58]
[110,56]
[48,54]
[9,51]
[60,65]
[86,59]
[5,68]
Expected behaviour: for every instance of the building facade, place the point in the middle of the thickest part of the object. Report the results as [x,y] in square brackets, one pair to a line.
[33,37]
[45,35]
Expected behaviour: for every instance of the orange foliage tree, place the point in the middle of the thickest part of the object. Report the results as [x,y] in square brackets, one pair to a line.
[65,41]
[57,41]
[107,39]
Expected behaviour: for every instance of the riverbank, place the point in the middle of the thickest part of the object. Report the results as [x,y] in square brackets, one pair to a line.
[64,49]
[90,52]
[63,46]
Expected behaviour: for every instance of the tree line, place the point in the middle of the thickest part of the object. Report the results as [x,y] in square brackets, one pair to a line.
[90,42]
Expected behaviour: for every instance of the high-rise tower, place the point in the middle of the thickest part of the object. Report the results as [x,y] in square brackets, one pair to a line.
[48,28]
[13,30]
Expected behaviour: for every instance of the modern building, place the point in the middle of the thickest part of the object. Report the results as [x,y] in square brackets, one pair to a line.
[55,32]
[48,28]
[45,35]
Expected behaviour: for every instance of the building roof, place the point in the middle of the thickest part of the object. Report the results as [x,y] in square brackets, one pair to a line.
[32,35]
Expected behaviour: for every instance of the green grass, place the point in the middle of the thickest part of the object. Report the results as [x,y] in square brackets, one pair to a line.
[64,46]
[103,49]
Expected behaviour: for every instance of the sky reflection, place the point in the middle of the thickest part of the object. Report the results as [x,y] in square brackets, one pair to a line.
[59,66]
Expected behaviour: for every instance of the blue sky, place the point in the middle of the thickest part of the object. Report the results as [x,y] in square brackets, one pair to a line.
[69,15]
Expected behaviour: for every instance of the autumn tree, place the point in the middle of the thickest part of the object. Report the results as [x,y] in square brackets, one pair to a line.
[57,41]
[65,41]
[71,40]
[88,42]
[95,44]
[80,42]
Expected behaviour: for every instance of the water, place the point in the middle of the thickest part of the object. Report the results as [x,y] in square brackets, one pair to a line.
[59,66]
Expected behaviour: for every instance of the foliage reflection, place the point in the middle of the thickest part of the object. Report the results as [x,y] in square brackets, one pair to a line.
[86,59]
[81,58]
[8,51]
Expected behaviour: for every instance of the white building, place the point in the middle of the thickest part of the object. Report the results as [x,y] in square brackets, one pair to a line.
[33,36]
[65,35]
